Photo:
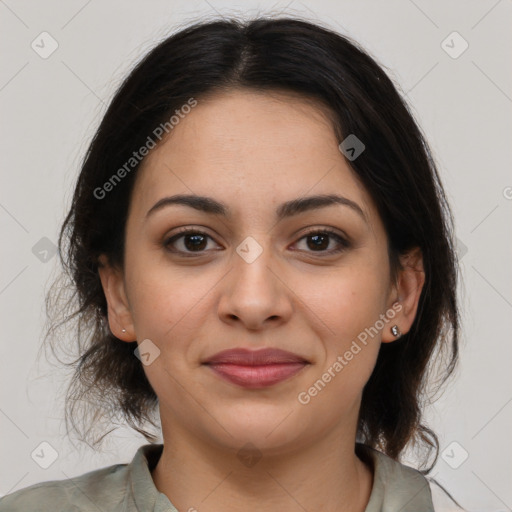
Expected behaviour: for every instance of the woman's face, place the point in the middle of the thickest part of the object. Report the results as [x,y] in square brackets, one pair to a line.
[251,277]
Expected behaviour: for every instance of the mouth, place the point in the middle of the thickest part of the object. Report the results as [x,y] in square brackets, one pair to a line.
[256,369]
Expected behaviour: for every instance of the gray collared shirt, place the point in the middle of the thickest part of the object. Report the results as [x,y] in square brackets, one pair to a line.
[130,488]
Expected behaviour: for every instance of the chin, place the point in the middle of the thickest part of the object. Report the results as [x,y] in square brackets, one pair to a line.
[267,430]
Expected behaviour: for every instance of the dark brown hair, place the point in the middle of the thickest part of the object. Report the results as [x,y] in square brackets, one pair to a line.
[396,167]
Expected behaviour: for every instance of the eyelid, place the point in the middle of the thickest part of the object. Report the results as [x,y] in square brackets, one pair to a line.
[326,229]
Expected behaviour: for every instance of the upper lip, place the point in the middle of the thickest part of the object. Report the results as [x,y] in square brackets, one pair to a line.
[247,357]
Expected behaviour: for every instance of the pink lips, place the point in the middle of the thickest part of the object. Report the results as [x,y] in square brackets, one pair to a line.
[256,369]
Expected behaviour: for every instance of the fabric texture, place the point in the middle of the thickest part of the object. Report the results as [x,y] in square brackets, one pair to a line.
[130,488]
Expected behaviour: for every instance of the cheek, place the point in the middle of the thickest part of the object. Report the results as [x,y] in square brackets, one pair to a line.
[347,300]
[170,304]
[167,308]
[165,302]
[349,305]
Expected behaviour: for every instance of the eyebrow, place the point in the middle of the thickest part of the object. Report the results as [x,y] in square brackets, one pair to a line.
[287,209]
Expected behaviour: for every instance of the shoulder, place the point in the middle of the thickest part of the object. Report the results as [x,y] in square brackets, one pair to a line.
[443,501]
[77,494]
[396,477]
[397,486]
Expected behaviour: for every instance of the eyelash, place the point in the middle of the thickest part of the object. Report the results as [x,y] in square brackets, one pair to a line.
[343,243]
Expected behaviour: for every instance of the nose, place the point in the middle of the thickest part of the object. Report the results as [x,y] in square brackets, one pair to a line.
[254,293]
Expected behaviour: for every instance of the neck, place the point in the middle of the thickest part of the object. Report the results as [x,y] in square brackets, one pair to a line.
[325,475]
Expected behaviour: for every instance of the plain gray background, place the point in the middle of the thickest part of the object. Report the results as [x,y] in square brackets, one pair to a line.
[462,100]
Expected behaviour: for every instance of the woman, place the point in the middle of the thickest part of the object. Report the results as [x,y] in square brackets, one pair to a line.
[262,249]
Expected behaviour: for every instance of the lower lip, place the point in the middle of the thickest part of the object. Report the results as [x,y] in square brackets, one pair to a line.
[256,377]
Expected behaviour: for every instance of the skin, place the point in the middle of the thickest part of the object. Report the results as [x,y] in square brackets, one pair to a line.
[254,151]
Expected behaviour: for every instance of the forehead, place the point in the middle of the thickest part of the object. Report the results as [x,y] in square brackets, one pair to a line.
[250,150]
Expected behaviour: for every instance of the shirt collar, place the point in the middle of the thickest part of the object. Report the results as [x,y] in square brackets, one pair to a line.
[144,493]
[395,486]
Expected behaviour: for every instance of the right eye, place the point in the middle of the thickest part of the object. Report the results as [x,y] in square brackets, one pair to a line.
[191,241]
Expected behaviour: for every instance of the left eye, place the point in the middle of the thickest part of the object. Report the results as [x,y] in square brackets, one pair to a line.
[320,241]
[194,241]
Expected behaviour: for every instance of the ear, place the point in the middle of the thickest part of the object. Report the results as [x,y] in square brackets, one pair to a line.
[406,293]
[119,313]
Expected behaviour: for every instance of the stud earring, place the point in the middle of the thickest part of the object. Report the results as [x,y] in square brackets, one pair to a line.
[395,331]
[123,330]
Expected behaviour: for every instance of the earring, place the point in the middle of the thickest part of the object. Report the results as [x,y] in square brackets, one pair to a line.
[395,331]
[123,330]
